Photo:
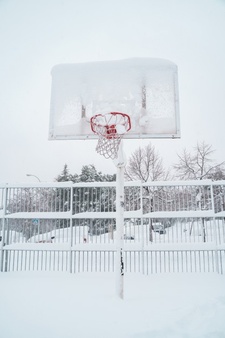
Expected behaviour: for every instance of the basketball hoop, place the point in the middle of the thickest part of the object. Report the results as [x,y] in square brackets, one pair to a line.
[110,128]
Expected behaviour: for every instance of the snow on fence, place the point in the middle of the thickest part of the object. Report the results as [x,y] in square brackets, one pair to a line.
[168,227]
[142,261]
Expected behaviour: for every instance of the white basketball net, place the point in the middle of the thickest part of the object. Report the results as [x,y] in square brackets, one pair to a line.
[110,127]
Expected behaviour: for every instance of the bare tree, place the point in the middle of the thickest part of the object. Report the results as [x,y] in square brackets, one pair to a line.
[199,164]
[145,164]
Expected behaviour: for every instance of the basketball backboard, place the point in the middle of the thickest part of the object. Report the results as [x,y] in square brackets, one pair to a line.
[144,88]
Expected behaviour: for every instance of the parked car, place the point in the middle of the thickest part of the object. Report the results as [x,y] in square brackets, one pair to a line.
[128,237]
[159,228]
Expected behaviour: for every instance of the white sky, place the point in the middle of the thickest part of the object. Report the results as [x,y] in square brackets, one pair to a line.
[36,35]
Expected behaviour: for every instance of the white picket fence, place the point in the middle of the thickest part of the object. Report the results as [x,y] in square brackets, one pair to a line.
[168,227]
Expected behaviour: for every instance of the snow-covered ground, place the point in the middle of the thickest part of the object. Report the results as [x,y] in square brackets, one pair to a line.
[55,305]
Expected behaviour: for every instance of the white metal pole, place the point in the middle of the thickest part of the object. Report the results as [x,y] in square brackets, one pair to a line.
[2,268]
[120,232]
[142,229]
[120,223]
[215,229]
[71,226]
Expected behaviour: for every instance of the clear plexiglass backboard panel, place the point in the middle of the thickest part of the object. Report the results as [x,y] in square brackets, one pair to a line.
[144,88]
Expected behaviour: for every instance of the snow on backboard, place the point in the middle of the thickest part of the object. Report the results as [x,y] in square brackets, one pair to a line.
[144,88]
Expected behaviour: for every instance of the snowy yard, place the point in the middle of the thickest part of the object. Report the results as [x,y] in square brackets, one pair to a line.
[47,301]
[55,305]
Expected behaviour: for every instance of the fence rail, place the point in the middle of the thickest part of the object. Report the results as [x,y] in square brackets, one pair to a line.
[72,227]
[146,261]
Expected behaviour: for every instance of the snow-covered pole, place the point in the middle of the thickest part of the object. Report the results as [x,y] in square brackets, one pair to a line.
[120,164]
[214,227]
[2,267]
[71,225]
[142,229]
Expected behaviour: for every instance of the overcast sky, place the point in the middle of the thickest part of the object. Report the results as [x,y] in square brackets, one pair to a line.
[36,35]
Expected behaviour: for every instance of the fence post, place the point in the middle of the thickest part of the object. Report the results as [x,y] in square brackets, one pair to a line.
[71,227]
[2,251]
[215,230]
[142,230]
